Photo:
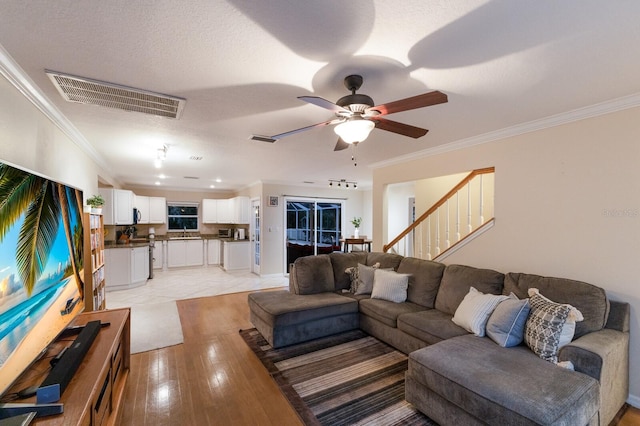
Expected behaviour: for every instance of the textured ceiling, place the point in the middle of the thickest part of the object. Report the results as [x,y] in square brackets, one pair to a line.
[241,65]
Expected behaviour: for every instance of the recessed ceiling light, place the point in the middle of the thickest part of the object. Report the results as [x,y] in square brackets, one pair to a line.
[212,186]
[162,177]
[218,180]
[157,182]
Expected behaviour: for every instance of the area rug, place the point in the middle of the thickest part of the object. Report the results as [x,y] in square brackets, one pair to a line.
[155,326]
[346,379]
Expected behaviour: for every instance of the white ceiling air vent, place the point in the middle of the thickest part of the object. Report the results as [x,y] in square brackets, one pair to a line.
[94,92]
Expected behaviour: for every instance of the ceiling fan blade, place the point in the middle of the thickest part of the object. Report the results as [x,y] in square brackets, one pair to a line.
[323,103]
[341,145]
[399,128]
[419,101]
[303,129]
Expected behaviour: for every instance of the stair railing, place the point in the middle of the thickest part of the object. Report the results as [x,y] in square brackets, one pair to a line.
[429,222]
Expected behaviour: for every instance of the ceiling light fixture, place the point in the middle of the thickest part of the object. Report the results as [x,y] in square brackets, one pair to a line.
[161,155]
[355,129]
[344,182]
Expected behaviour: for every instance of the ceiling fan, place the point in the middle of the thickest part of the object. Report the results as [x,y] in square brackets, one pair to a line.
[356,115]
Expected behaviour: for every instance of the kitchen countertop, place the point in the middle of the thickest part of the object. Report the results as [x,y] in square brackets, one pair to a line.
[113,245]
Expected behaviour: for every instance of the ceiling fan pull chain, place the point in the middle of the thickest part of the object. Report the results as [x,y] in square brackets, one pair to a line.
[353,157]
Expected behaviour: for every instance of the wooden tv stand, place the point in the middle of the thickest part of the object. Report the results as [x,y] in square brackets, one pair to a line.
[94,395]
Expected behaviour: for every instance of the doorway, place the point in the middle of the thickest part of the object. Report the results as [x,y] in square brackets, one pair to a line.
[254,233]
[313,227]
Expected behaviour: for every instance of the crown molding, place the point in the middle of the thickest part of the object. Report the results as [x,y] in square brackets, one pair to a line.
[10,69]
[602,108]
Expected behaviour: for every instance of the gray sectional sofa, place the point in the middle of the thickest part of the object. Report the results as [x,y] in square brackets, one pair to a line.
[454,376]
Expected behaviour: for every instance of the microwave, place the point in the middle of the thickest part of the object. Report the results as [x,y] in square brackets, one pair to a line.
[225,233]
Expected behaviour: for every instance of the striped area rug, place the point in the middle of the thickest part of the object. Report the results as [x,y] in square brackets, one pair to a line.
[346,379]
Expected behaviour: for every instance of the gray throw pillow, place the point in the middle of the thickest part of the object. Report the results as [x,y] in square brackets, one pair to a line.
[365,279]
[506,323]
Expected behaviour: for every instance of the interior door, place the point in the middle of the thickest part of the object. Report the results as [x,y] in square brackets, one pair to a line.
[254,233]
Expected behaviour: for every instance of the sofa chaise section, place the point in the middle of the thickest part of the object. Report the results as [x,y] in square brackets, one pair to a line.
[284,318]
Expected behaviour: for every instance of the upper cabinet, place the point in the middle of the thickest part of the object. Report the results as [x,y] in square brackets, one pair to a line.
[141,203]
[118,206]
[151,209]
[232,210]
[157,210]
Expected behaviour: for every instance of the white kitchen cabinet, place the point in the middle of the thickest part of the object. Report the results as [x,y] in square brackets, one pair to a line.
[126,267]
[158,255]
[241,210]
[117,267]
[139,264]
[209,211]
[141,203]
[185,253]
[225,211]
[151,209]
[157,210]
[195,253]
[236,255]
[118,206]
[213,252]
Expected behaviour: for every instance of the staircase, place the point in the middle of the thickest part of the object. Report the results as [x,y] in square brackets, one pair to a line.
[463,214]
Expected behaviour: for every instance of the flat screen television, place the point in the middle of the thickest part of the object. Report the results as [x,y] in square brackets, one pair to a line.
[41,266]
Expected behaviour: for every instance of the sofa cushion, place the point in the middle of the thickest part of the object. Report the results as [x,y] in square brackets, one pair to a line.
[506,323]
[386,260]
[424,280]
[456,281]
[311,275]
[282,308]
[505,385]
[431,326]
[387,312]
[474,311]
[340,262]
[390,285]
[590,300]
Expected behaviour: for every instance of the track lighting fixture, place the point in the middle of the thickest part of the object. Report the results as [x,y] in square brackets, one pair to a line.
[346,183]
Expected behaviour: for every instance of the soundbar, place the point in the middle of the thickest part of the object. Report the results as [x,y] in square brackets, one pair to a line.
[62,372]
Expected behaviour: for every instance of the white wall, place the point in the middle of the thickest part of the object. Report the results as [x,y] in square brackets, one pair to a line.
[567,204]
[29,140]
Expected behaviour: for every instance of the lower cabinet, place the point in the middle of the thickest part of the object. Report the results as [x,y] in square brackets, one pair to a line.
[158,255]
[213,252]
[236,255]
[126,267]
[185,253]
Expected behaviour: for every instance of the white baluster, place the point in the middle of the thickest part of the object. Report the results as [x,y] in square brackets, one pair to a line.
[458,216]
[469,227]
[481,200]
[437,231]
[429,237]
[447,241]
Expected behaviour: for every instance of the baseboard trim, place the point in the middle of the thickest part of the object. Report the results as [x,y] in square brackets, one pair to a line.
[634,401]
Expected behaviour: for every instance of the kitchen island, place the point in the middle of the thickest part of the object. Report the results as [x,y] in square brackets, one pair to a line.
[126,265]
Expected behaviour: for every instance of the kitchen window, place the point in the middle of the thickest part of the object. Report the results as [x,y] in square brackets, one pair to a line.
[182,216]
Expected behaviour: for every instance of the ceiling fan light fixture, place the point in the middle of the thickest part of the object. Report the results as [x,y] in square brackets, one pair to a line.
[356,129]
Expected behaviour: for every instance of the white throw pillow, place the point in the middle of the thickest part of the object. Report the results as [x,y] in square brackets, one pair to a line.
[390,285]
[474,310]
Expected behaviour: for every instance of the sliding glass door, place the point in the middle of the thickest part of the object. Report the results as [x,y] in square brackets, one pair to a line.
[313,226]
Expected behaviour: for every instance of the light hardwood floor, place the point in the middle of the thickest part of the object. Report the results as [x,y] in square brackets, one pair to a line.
[213,378]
